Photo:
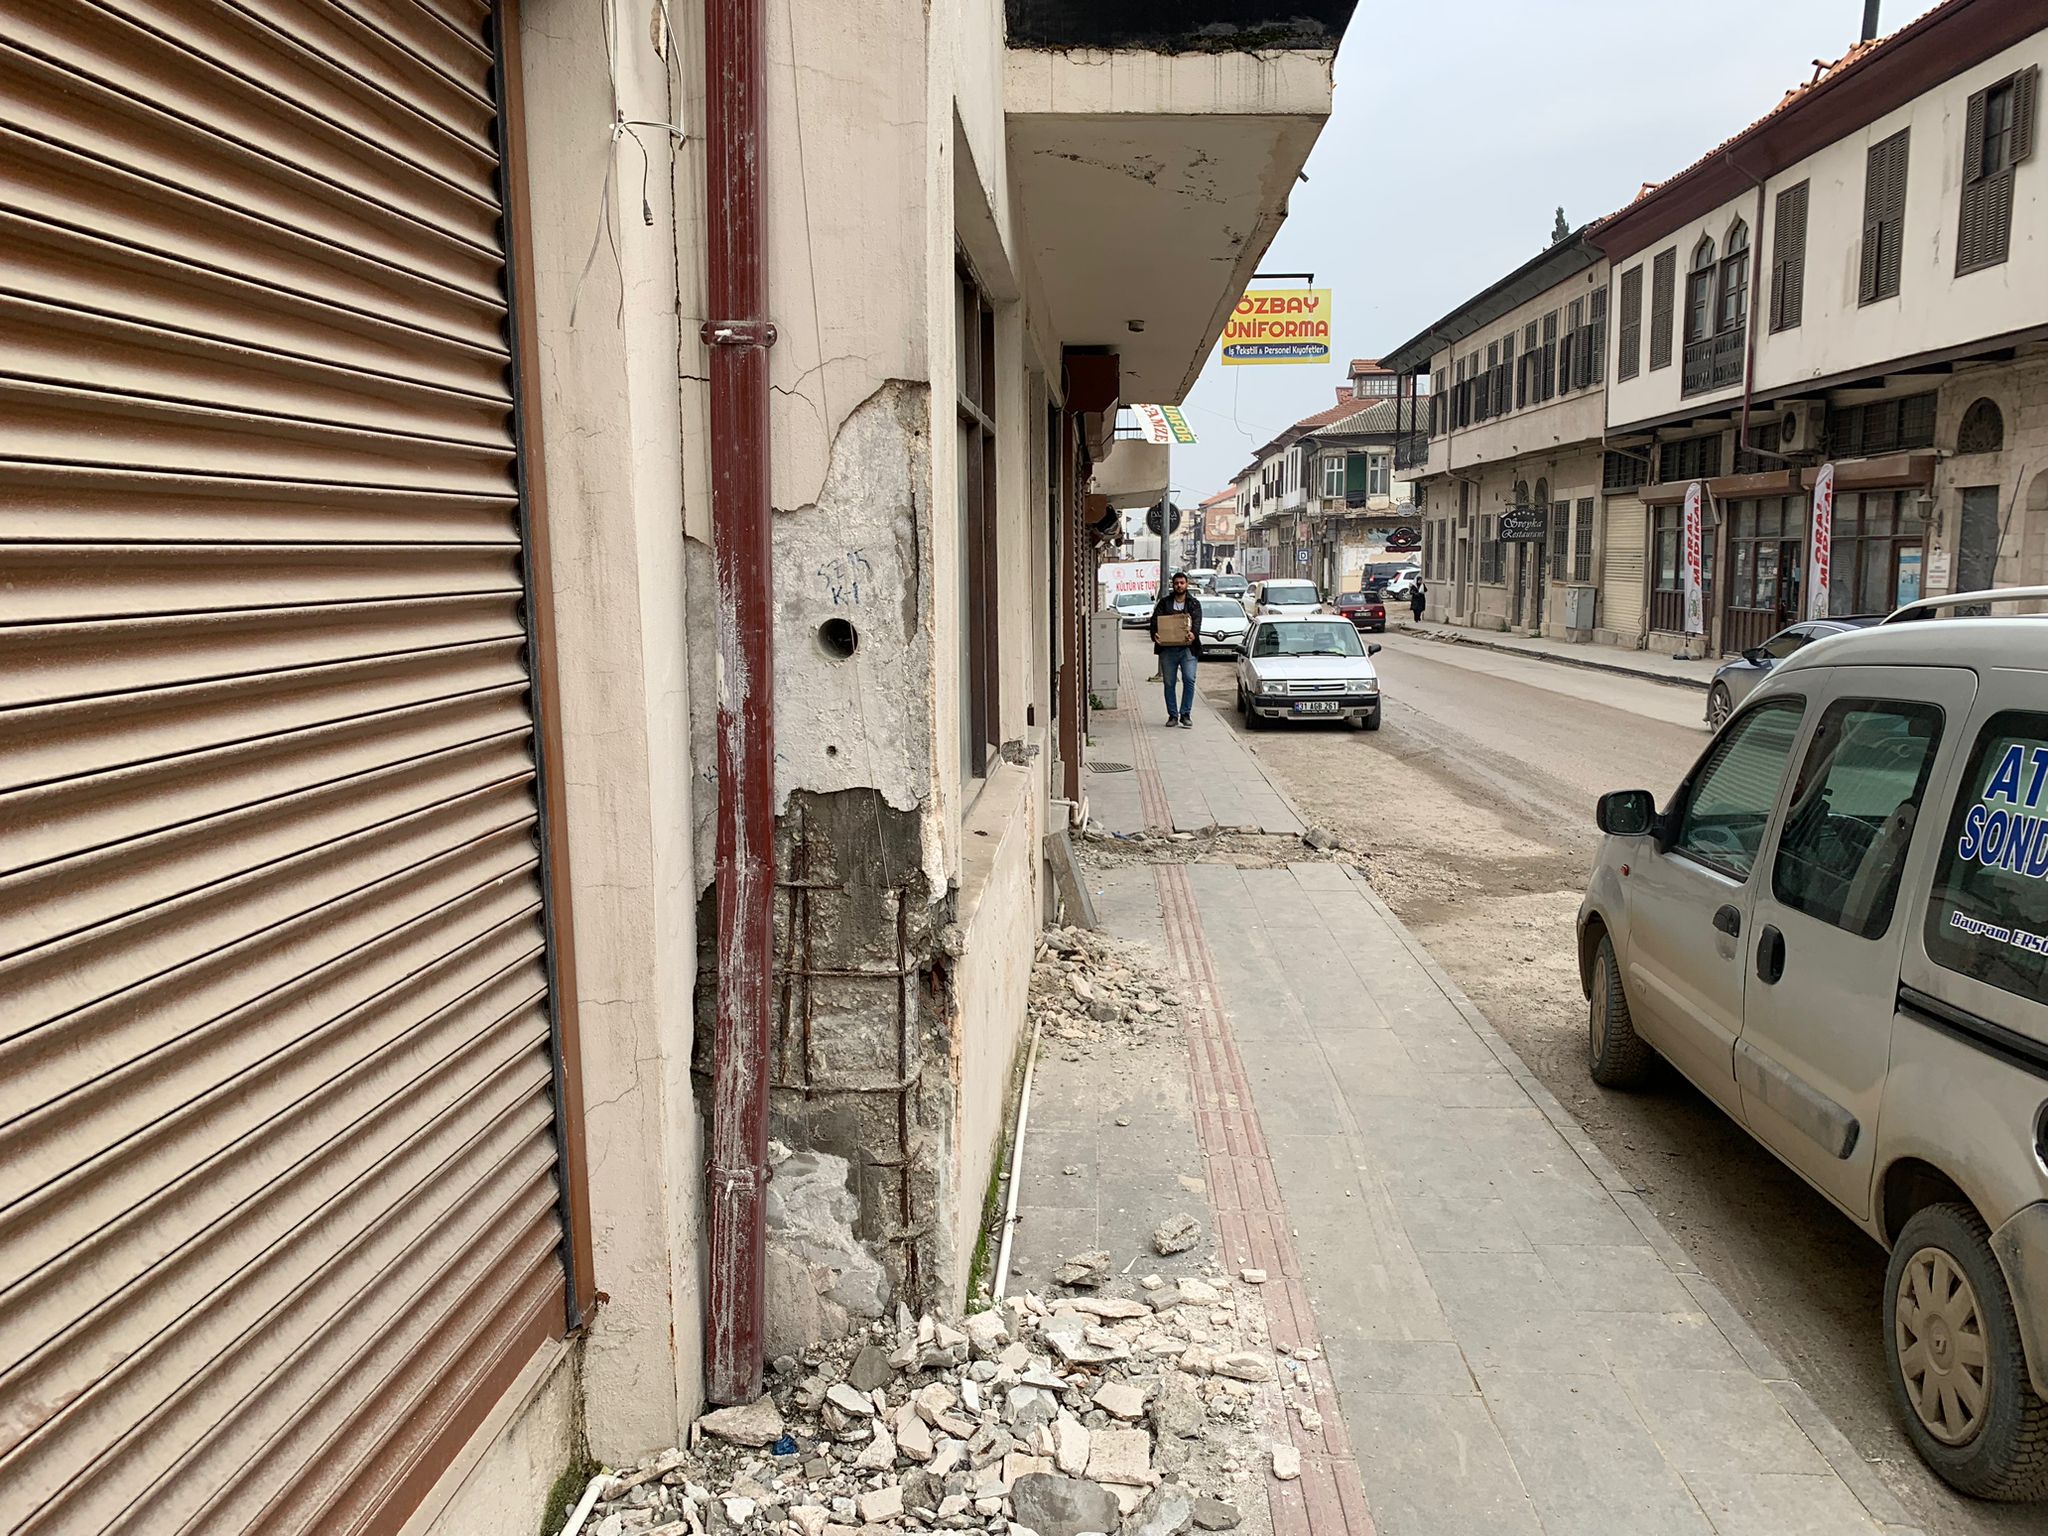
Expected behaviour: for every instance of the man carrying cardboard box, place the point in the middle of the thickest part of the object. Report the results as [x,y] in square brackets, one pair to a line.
[1176,641]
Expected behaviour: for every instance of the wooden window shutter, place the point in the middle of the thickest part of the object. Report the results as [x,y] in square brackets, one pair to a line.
[1884,206]
[1788,264]
[2024,90]
[1630,361]
[1663,296]
[1973,139]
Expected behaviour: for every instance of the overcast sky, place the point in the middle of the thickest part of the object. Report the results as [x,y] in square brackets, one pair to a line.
[1458,130]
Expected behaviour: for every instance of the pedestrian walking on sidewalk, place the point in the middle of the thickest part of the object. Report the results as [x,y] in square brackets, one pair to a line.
[1176,638]
[1418,599]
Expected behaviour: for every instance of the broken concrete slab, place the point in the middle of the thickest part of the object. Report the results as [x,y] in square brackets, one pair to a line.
[1053,1505]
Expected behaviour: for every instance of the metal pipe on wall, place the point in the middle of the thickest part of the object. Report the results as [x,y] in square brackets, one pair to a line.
[738,336]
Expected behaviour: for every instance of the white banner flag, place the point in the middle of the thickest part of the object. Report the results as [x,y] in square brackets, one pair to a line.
[1695,592]
[1823,543]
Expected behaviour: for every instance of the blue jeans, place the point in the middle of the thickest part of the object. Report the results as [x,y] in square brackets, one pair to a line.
[1177,668]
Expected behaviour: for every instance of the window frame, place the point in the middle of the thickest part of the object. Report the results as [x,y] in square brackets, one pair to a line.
[1582,540]
[1629,349]
[975,352]
[1821,747]
[1722,745]
[1935,928]
[1992,153]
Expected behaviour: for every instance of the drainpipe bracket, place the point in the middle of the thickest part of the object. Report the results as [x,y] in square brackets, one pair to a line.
[738,333]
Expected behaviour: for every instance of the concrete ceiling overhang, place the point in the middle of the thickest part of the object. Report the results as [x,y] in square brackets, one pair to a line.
[1150,186]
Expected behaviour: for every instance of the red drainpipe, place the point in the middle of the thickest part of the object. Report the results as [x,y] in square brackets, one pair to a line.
[739,335]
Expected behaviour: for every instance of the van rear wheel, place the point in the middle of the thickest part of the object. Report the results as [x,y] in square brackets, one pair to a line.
[1616,1055]
[1958,1370]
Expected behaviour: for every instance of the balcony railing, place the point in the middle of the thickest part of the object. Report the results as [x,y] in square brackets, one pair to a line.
[1411,450]
[1714,363]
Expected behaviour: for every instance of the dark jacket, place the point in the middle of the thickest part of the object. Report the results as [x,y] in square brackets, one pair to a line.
[1194,613]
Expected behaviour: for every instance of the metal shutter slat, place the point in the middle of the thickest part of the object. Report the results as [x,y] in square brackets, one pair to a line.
[279,1182]
[70,82]
[44,664]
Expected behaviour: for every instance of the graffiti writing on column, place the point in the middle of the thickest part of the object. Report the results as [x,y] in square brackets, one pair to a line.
[843,577]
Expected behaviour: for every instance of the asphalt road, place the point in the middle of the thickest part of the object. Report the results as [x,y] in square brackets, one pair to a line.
[1473,804]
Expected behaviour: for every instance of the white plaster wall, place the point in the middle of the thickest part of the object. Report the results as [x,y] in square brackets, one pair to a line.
[1934,308]
[605,370]
[1577,417]
[1000,917]
[2020,470]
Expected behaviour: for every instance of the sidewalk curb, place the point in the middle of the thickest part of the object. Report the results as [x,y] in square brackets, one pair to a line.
[1618,669]
[1856,1474]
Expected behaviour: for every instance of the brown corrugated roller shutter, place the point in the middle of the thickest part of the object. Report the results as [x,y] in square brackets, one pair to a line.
[1621,566]
[278,1150]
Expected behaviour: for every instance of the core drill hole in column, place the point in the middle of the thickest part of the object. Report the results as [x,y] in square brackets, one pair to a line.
[839,639]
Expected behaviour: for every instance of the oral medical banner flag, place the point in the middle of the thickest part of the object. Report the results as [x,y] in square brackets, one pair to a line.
[1823,542]
[1278,325]
[1164,424]
[1695,594]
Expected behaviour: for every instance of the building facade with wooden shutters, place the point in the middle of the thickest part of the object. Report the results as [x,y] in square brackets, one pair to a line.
[1511,479]
[1891,318]
[358,668]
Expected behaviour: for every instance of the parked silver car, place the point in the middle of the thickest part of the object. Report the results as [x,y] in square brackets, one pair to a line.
[1739,675]
[1307,668]
[1837,928]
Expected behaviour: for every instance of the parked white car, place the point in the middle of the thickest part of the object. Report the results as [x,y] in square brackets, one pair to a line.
[1280,599]
[1837,928]
[1307,668]
[1224,625]
[1134,608]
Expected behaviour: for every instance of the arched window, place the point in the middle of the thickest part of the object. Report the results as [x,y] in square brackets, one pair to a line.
[1521,493]
[1983,428]
[1699,292]
[1542,494]
[1733,310]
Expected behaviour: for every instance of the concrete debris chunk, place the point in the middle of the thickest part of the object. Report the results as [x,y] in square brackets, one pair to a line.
[879,1455]
[1064,1506]
[1084,1269]
[848,1401]
[1243,1365]
[987,1333]
[881,1505]
[1198,1291]
[1121,1399]
[756,1424]
[1286,1463]
[1177,1234]
[1252,1276]
[870,1369]
[1167,1512]
[1216,1515]
[1121,1456]
[1109,1308]
[1070,1444]
[914,1438]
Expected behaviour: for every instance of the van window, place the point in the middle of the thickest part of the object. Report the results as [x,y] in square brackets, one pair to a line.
[1853,812]
[1988,917]
[1732,795]
[1289,592]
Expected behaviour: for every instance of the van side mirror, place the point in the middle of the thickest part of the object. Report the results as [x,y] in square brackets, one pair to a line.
[1626,813]
[1374,650]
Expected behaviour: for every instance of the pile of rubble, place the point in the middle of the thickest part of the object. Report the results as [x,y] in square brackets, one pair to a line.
[1088,988]
[1125,1415]
[1240,847]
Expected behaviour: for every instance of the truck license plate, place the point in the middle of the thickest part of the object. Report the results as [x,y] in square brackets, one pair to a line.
[1318,707]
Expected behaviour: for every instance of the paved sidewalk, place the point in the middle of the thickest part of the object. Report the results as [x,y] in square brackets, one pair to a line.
[1657,666]
[1505,1339]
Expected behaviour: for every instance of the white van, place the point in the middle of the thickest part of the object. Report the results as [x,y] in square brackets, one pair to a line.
[1837,928]
[1278,599]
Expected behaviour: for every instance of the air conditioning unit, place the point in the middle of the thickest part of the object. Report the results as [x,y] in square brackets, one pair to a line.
[1800,427]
